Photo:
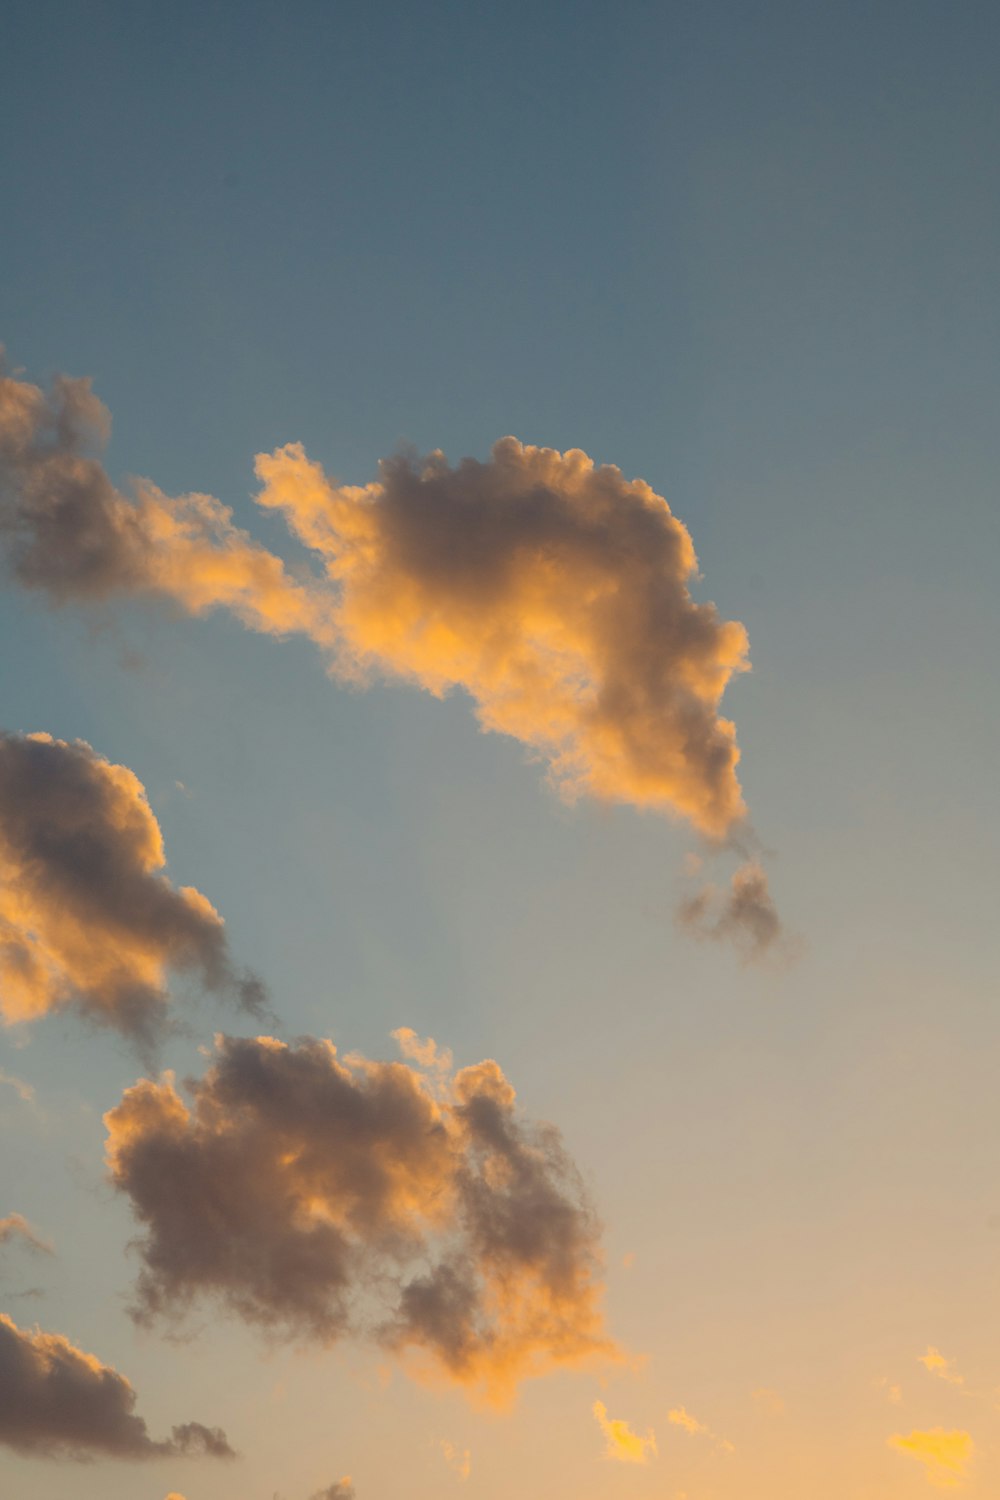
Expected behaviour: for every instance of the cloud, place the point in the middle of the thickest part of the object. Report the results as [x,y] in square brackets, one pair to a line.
[24,1091]
[16,1225]
[342,1490]
[318,1196]
[745,915]
[556,593]
[935,1362]
[59,1402]
[457,1459]
[424,1052]
[769,1401]
[70,533]
[946,1456]
[623,1445]
[679,1417]
[87,918]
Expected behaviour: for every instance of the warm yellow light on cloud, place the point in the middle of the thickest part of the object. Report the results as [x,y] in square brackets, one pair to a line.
[936,1363]
[678,1417]
[459,1460]
[624,1445]
[946,1455]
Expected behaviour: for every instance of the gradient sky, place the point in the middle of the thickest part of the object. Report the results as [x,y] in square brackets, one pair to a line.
[747,252]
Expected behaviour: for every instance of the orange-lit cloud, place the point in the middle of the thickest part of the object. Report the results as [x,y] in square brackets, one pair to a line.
[87,918]
[459,1460]
[621,1443]
[936,1364]
[425,1052]
[945,1455]
[553,591]
[59,1402]
[16,1226]
[769,1400]
[678,1416]
[323,1195]
[68,531]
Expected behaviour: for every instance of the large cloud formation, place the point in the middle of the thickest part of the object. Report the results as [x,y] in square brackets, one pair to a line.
[317,1195]
[553,591]
[58,1402]
[87,918]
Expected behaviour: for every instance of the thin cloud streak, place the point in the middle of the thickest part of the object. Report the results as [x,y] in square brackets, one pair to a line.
[16,1226]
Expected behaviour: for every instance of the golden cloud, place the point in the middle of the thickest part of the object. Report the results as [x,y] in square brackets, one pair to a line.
[622,1444]
[323,1195]
[88,920]
[553,591]
[945,1455]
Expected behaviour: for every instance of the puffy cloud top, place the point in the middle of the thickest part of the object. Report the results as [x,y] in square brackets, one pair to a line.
[552,590]
[555,592]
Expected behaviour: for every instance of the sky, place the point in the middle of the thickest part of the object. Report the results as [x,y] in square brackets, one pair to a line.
[695,1195]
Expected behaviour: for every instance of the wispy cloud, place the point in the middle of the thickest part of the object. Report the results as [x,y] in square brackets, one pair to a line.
[745,915]
[945,1455]
[621,1443]
[678,1416]
[459,1460]
[936,1364]
[16,1226]
[24,1091]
